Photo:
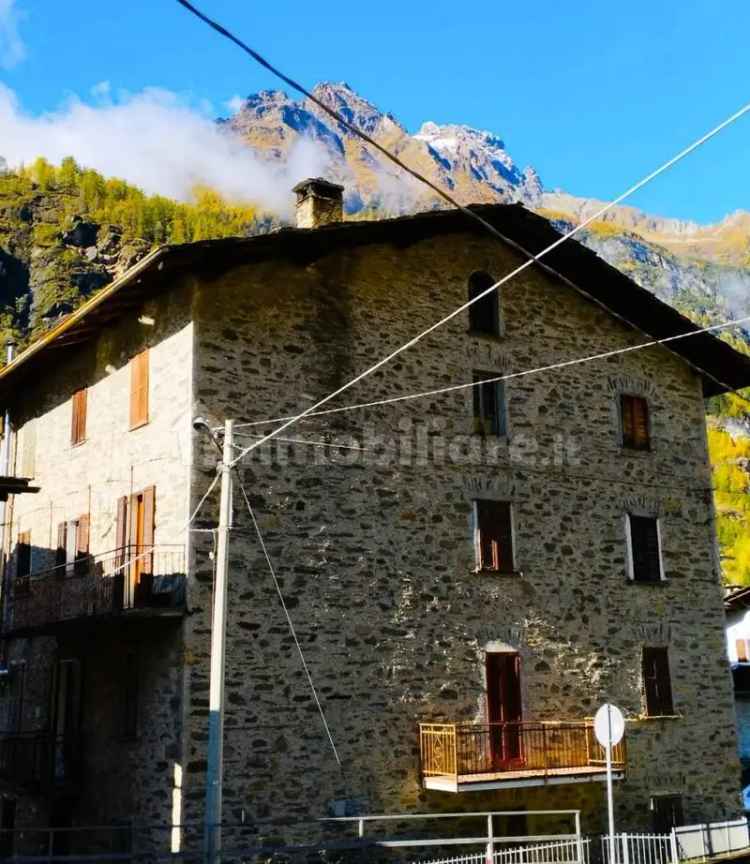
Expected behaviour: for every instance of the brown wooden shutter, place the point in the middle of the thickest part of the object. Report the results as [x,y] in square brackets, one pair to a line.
[82,544]
[657,683]
[640,424]
[62,542]
[78,418]
[628,424]
[139,389]
[149,509]
[741,645]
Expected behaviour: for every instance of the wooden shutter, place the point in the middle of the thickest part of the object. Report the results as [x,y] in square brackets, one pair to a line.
[484,314]
[149,508]
[495,536]
[139,389]
[640,424]
[62,542]
[489,405]
[741,645]
[82,544]
[635,422]
[78,418]
[644,545]
[657,683]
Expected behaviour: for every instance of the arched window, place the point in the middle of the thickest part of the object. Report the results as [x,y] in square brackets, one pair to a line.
[484,315]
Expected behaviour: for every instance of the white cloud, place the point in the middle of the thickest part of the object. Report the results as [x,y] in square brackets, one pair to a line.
[12,48]
[101,90]
[235,103]
[157,140]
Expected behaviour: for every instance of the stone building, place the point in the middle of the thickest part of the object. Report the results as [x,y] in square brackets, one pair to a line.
[468,586]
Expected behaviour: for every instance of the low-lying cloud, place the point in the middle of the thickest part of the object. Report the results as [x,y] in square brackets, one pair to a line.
[12,48]
[157,140]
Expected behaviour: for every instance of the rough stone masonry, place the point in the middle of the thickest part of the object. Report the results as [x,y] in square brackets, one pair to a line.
[375,550]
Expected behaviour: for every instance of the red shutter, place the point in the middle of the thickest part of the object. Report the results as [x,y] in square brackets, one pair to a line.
[741,645]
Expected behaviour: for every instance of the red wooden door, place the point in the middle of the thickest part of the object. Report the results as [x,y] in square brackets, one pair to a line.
[504,709]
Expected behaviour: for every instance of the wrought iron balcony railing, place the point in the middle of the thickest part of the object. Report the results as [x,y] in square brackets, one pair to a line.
[129,578]
[462,755]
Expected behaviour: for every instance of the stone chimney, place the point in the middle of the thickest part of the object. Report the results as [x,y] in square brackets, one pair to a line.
[318,202]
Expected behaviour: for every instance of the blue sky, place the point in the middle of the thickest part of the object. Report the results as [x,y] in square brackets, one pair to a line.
[592,94]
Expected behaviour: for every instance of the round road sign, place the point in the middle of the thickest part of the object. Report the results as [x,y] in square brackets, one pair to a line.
[609,725]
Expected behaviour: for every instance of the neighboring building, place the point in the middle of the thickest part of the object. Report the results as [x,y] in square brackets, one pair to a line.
[737,606]
[536,547]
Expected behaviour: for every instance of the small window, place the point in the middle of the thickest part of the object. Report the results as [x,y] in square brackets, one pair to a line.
[484,315]
[23,555]
[645,549]
[139,390]
[494,536]
[635,422]
[72,552]
[490,416]
[657,684]
[666,813]
[78,418]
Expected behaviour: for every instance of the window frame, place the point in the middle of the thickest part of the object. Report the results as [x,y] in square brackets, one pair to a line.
[631,445]
[491,300]
[631,559]
[665,796]
[78,417]
[663,650]
[500,421]
[478,565]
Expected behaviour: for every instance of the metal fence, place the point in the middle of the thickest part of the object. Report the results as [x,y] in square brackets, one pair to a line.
[640,849]
[709,839]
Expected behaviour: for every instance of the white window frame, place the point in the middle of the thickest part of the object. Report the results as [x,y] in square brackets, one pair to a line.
[477,544]
[629,544]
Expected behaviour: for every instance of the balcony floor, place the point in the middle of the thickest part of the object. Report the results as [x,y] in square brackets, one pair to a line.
[520,779]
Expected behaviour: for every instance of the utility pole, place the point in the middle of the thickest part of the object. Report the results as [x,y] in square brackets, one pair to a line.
[215,763]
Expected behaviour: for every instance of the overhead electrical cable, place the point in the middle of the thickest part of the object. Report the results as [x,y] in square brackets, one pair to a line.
[533,371]
[532,259]
[290,623]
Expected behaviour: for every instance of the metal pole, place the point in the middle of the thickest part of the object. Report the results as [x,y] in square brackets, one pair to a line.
[490,854]
[610,805]
[215,766]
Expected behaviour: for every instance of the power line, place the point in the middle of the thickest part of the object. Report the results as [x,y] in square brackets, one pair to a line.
[339,118]
[414,340]
[532,258]
[533,371]
[289,619]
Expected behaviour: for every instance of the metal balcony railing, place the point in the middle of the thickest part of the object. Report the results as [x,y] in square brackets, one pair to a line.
[123,579]
[462,750]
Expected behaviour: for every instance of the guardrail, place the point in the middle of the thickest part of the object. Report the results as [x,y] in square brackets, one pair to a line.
[458,749]
[131,577]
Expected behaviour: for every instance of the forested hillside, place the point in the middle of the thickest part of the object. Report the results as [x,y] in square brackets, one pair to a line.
[65,231]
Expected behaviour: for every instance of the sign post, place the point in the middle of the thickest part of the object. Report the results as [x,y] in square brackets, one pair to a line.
[609,727]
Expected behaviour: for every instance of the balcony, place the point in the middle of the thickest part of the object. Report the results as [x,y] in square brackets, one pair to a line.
[463,757]
[141,583]
[39,760]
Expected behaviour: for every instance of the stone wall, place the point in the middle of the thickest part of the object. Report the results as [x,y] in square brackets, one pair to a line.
[124,778]
[376,560]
